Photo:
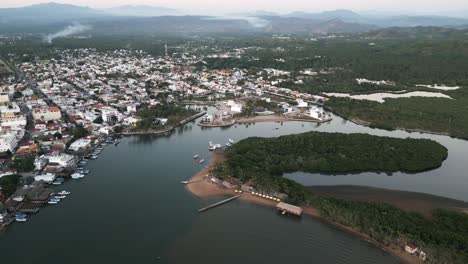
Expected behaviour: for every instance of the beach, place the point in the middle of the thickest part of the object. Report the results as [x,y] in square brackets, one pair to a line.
[201,187]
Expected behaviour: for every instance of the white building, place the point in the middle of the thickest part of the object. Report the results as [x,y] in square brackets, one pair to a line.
[8,142]
[49,177]
[236,108]
[47,113]
[40,162]
[318,114]
[109,112]
[13,121]
[62,160]
[81,143]
[301,103]
[4,99]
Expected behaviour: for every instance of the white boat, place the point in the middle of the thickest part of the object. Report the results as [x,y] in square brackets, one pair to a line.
[77,175]
[64,193]
[59,197]
[201,161]
[196,156]
[53,201]
[231,141]
[212,148]
[228,144]
[20,217]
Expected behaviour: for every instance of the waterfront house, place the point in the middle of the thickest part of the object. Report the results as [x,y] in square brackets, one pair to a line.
[49,177]
[411,248]
[289,208]
[62,160]
[82,143]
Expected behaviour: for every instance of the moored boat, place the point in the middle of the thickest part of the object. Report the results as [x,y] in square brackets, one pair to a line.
[20,217]
[77,175]
[53,201]
[58,181]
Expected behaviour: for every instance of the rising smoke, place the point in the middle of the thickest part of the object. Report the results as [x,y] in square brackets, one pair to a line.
[67,31]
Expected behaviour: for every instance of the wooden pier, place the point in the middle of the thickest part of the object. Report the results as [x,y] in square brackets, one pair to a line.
[189,182]
[219,203]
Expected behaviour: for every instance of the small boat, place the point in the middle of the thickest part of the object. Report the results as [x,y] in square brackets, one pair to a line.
[231,141]
[64,193]
[53,201]
[211,148]
[20,217]
[201,161]
[94,157]
[58,181]
[228,144]
[196,156]
[184,182]
[206,167]
[77,175]
[116,142]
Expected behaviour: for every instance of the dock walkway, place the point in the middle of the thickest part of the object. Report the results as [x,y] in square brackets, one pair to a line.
[219,203]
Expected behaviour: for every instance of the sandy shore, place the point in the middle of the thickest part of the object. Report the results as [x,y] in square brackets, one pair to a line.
[201,187]
[407,201]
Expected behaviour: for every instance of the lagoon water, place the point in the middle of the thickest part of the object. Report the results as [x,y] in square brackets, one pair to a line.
[132,208]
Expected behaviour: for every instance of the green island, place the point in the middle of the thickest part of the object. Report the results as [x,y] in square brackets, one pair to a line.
[263,161]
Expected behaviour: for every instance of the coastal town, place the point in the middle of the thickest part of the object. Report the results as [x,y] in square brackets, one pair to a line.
[59,114]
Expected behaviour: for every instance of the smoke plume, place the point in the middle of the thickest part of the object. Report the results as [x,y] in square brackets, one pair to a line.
[67,31]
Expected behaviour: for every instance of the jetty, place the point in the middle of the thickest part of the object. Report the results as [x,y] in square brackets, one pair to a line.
[189,182]
[219,203]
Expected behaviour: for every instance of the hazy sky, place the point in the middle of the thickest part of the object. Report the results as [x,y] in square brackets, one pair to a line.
[404,6]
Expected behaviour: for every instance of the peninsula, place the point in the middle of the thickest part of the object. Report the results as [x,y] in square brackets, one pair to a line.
[260,163]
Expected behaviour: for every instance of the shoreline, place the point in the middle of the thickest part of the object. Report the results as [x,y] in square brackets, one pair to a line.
[276,118]
[364,123]
[202,188]
[162,132]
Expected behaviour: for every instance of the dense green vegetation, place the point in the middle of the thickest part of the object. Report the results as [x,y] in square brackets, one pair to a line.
[264,160]
[24,164]
[173,113]
[9,184]
[443,237]
[429,114]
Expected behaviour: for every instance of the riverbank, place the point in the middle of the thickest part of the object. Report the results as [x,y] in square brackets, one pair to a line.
[407,201]
[164,131]
[276,118]
[203,188]
[364,123]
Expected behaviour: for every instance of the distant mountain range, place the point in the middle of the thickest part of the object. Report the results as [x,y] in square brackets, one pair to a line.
[141,10]
[147,19]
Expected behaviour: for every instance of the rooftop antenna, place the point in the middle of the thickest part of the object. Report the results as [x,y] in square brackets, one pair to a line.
[165,48]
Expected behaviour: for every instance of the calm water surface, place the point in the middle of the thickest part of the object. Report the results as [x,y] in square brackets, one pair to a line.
[131,208]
